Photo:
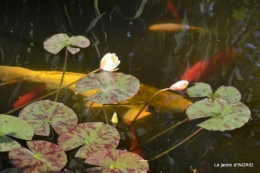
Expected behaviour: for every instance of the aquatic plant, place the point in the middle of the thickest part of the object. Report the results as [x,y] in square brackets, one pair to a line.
[57,42]
[42,114]
[109,87]
[43,156]
[9,127]
[223,107]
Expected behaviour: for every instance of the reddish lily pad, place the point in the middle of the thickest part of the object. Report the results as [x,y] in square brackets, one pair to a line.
[113,160]
[200,89]
[43,156]
[94,136]
[42,114]
[111,87]
[225,115]
[16,127]
[228,93]
[55,43]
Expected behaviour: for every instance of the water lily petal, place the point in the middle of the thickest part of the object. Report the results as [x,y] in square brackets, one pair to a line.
[180,85]
[109,62]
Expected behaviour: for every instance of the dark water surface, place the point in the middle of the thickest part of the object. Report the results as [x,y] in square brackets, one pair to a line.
[156,58]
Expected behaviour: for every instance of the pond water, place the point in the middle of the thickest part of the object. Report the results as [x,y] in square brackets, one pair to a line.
[157,41]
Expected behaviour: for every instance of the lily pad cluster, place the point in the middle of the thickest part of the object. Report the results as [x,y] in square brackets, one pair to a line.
[223,106]
[95,139]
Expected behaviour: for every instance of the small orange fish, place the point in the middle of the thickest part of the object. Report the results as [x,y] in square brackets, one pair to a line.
[172,9]
[173,27]
[29,96]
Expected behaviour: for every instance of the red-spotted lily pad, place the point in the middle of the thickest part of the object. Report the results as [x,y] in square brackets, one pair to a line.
[200,90]
[94,136]
[225,115]
[228,93]
[16,127]
[43,156]
[111,87]
[113,160]
[42,114]
[57,42]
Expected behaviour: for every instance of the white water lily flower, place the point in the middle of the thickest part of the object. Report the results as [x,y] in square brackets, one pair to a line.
[109,62]
[180,85]
[55,43]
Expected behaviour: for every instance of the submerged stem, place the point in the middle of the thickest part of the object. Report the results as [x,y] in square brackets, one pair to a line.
[62,76]
[167,151]
[172,127]
[141,110]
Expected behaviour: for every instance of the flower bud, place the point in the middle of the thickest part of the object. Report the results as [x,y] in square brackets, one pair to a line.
[109,62]
[180,85]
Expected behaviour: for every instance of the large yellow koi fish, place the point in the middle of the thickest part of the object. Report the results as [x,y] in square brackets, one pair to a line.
[164,102]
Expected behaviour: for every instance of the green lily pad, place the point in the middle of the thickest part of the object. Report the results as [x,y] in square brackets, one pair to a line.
[16,127]
[43,156]
[94,136]
[55,43]
[200,90]
[41,114]
[110,87]
[225,115]
[228,93]
[112,160]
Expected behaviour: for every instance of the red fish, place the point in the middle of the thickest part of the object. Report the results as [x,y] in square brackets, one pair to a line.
[29,96]
[172,9]
[207,66]
[134,143]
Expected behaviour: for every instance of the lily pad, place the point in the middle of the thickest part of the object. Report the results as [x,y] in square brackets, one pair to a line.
[228,93]
[43,156]
[225,115]
[55,43]
[16,127]
[110,87]
[42,114]
[200,90]
[113,160]
[94,136]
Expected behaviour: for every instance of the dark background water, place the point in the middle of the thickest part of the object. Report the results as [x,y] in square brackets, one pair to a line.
[156,58]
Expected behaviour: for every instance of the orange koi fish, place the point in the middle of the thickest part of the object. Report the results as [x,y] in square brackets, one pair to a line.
[172,9]
[207,66]
[29,96]
[173,27]
[134,142]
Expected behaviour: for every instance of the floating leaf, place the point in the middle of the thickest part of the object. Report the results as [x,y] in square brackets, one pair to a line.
[110,87]
[112,160]
[225,115]
[94,136]
[200,90]
[16,127]
[42,114]
[43,157]
[228,93]
[57,42]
